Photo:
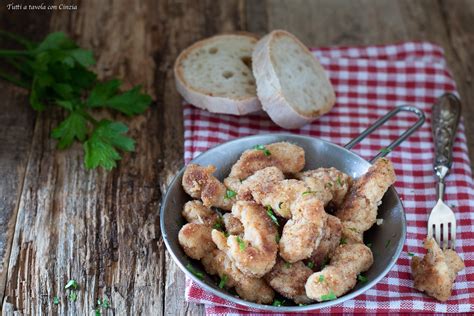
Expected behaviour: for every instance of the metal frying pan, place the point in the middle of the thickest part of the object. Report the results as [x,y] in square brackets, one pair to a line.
[387,239]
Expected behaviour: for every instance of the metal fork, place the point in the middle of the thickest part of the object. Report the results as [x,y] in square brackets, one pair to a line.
[445,120]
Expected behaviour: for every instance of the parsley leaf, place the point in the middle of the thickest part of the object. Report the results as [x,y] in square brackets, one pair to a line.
[242,244]
[223,281]
[229,194]
[101,148]
[278,302]
[266,152]
[321,278]
[71,284]
[328,297]
[73,296]
[310,264]
[287,265]
[57,73]
[308,192]
[55,300]
[385,151]
[411,254]
[277,238]
[343,241]
[362,278]
[339,181]
[73,127]
[272,215]
[194,271]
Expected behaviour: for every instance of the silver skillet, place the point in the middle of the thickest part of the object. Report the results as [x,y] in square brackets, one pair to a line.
[386,240]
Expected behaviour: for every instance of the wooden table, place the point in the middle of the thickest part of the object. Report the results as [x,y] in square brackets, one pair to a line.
[61,222]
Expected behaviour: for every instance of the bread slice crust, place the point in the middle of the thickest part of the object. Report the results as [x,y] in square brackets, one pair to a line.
[279,106]
[208,100]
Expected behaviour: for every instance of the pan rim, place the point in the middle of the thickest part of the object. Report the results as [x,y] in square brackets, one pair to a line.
[244,303]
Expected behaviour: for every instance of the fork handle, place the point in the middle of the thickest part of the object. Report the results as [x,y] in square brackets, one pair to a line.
[445,120]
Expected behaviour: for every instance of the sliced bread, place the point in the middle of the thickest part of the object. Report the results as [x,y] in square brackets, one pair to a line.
[215,74]
[291,84]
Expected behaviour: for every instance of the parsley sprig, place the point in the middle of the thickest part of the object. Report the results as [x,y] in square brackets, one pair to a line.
[57,74]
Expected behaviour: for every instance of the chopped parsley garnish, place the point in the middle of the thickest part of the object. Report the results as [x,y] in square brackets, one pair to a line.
[218,225]
[226,234]
[223,281]
[388,243]
[278,303]
[353,229]
[343,241]
[339,181]
[301,304]
[328,297]
[266,152]
[198,274]
[229,194]
[321,278]
[310,264]
[55,300]
[362,278]
[411,254]
[277,238]
[71,284]
[241,243]
[385,151]
[308,192]
[104,303]
[287,265]
[328,185]
[271,214]
[73,296]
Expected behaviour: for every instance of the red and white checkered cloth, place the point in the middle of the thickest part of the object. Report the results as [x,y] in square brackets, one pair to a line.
[370,81]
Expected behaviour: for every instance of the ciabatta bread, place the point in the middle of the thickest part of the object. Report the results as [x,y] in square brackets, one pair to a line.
[215,74]
[291,84]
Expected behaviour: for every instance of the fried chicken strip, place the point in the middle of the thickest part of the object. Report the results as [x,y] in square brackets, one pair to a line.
[287,157]
[331,181]
[329,241]
[289,280]
[232,224]
[196,240]
[303,232]
[436,272]
[249,288]
[255,253]
[340,275]
[195,212]
[358,212]
[199,183]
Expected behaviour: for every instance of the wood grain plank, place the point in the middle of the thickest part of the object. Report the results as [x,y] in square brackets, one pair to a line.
[16,129]
[101,229]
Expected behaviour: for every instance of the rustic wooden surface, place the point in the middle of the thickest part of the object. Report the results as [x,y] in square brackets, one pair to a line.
[60,221]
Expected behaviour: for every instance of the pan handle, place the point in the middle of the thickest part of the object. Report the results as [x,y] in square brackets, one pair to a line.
[384,152]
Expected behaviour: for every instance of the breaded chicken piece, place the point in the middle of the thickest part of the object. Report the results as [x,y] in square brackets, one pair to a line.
[195,212]
[196,240]
[340,275]
[199,183]
[436,272]
[289,279]
[359,209]
[232,224]
[287,157]
[255,253]
[248,288]
[303,232]
[336,182]
[329,242]
[269,187]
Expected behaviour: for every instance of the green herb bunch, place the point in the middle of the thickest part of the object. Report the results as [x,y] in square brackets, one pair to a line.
[57,74]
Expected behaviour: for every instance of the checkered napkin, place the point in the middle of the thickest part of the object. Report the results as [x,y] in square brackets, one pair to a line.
[370,81]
